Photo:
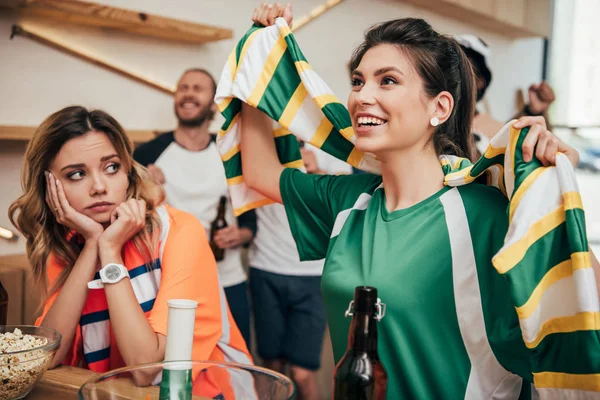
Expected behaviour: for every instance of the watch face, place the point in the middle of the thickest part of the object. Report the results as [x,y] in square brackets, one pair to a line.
[112,272]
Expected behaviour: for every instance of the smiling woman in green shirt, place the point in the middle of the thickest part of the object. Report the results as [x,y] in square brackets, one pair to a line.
[451,330]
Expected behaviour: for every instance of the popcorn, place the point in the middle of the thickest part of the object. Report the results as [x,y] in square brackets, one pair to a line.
[18,372]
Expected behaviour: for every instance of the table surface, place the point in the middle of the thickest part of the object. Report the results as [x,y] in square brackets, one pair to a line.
[60,383]
[63,383]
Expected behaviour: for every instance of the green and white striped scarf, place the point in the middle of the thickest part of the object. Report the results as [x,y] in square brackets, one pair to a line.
[556,297]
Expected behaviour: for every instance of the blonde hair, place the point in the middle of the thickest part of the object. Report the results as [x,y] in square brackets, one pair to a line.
[31,214]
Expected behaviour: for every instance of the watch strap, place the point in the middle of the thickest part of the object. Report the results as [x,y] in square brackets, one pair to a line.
[95,284]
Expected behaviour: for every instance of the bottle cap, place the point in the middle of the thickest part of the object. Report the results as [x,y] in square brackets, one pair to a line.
[365,299]
[182,303]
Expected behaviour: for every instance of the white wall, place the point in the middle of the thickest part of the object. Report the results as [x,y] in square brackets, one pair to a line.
[36,81]
[576,63]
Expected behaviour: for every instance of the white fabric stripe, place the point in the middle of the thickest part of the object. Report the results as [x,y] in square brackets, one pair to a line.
[242,384]
[241,195]
[231,354]
[314,84]
[534,393]
[253,63]
[566,394]
[225,327]
[96,336]
[224,83]
[307,119]
[509,172]
[450,158]
[566,297]
[545,195]
[566,174]
[361,204]
[145,286]
[230,140]
[495,175]
[368,163]
[165,225]
[488,379]
[501,140]
[234,355]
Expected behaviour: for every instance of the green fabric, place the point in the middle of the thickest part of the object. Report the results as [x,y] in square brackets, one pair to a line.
[420,343]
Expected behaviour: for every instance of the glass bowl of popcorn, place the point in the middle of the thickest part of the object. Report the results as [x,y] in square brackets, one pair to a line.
[25,354]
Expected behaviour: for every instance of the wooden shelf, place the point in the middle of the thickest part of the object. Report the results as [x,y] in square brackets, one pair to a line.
[86,56]
[119,19]
[512,18]
[24,133]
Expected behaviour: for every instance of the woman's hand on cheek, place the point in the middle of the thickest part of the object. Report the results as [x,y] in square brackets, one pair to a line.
[125,222]
[67,215]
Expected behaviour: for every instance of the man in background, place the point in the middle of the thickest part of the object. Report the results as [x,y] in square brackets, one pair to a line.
[188,165]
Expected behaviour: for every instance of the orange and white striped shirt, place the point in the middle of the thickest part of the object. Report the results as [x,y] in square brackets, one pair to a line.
[184,268]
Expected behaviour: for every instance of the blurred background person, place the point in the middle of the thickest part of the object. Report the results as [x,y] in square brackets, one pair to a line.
[485,127]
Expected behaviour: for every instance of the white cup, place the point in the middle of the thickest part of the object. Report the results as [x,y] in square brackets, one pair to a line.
[180,329]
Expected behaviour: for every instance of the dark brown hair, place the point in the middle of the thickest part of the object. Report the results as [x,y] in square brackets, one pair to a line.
[442,65]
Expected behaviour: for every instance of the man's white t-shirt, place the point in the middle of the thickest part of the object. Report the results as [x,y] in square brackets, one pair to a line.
[195,181]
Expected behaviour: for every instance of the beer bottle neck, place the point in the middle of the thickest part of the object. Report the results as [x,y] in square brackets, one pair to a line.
[363,333]
[221,208]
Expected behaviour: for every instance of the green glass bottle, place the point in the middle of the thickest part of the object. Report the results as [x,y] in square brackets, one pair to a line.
[176,384]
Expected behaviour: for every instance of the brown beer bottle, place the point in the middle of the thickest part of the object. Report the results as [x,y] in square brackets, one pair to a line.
[217,224]
[3,305]
[360,375]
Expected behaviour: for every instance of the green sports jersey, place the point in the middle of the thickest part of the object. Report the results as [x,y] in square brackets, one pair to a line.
[450,331]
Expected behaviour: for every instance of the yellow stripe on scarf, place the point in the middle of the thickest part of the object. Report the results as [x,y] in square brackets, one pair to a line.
[511,256]
[322,133]
[267,72]
[234,121]
[583,321]
[557,380]
[558,272]
[572,200]
[524,188]
[293,105]
[252,206]
[355,157]
[230,153]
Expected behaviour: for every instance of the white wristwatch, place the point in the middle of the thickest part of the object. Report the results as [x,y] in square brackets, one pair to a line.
[110,273]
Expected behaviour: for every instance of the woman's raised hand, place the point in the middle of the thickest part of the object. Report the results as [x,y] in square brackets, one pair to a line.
[266,14]
[543,142]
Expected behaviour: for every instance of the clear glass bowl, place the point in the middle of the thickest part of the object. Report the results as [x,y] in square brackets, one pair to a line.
[20,370]
[189,380]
